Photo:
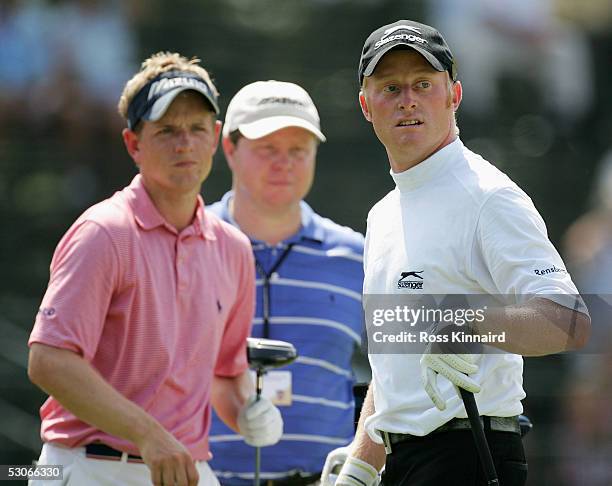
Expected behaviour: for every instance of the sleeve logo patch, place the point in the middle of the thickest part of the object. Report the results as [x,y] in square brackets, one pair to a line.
[553,269]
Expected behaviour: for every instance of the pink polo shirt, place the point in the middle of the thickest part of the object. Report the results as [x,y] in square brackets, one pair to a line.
[155,311]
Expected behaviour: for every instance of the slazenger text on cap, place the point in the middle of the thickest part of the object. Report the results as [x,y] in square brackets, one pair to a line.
[171,83]
[409,37]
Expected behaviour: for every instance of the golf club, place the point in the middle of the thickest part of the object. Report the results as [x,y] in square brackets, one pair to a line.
[479,437]
[262,355]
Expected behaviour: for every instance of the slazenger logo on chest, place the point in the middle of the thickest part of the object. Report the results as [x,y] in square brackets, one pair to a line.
[405,283]
[387,37]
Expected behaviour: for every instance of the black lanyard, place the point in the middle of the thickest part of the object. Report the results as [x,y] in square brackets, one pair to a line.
[266,287]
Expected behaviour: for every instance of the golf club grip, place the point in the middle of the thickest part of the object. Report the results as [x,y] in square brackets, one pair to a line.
[479,436]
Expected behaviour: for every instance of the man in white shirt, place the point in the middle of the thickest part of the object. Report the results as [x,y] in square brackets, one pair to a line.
[454,225]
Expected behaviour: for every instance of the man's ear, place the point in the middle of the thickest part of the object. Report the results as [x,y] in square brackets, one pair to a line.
[457,95]
[132,144]
[364,107]
[228,149]
[217,130]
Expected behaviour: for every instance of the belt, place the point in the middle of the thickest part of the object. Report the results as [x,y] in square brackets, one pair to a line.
[298,479]
[102,451]
[495,424]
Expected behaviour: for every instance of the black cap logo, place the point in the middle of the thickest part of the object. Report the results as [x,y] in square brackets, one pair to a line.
[387,37]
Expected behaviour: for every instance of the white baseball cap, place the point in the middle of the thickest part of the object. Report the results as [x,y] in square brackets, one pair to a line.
[263,107]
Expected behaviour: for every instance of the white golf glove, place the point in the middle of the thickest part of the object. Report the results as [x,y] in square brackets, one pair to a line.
[354,472]
[333,463]
[454,367]
[260,422]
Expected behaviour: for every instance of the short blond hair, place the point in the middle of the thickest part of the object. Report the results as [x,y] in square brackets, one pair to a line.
[152,67]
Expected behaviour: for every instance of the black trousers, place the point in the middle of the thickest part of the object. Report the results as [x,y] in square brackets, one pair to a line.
[450,458]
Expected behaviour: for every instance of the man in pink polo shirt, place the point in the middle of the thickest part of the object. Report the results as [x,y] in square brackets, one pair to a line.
[149,303]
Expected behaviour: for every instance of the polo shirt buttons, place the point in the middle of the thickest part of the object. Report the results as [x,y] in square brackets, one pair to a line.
[181,270]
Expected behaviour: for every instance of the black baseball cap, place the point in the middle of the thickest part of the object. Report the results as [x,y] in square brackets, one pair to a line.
[152,101]
[424,39]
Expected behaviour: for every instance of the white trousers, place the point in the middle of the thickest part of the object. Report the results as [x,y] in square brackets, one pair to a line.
[80,470]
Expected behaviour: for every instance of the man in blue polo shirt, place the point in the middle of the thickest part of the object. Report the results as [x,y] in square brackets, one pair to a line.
[309,283]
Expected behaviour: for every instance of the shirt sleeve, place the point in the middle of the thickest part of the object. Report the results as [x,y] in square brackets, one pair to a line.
[84,272]
[513,254]
[232,359]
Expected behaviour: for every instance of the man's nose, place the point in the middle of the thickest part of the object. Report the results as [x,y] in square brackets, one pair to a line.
[407,99]
[184,141]
[282,160]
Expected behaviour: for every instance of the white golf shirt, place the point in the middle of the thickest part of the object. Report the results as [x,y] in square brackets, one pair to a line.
[466,228]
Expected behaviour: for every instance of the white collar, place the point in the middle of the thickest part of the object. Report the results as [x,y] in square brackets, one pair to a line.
[428,169]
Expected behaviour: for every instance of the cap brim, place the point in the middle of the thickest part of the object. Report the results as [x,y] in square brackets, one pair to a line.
[266,126]
[427,55]
[160,107]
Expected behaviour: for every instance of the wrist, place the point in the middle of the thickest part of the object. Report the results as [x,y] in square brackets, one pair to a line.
[143,430]
[356,471]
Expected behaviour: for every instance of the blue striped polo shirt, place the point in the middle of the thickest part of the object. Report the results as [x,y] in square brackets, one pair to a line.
[308,293]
